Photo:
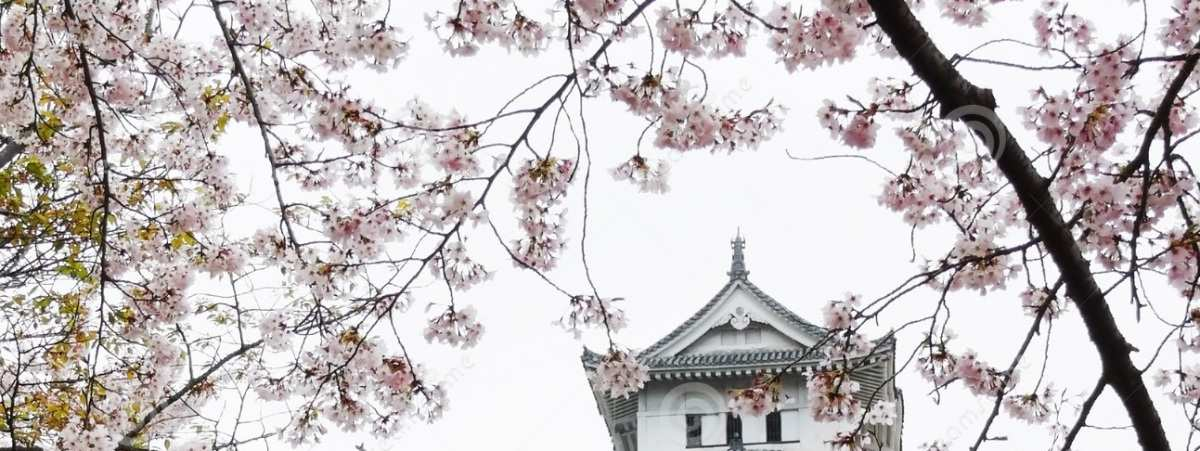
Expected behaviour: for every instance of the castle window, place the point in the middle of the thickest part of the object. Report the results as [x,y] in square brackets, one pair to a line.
[733,429]
[774,427]
[693,430]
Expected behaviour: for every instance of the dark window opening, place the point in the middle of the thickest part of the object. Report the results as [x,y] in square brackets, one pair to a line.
[733,429]
[774,427]
[693,430]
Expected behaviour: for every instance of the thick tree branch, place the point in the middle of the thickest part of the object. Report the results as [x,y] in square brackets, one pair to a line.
[976,106]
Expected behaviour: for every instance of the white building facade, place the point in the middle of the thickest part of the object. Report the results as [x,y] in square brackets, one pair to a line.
[739,333]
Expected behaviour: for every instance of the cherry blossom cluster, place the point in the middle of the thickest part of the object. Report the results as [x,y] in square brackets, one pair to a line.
[456,267]
[1183,385]
[829,35]
[1183,119]
[1034,300]
[966,12]
[831,395]
[594,12]
[686,123]
[676,31]
[649,176]
[619,374]
[984,268]
[1181,260]
[1033,408]
[936,364]
[353,385]
[1180,30]
[455,327]
[763,396]
[687,33]
[362,233]
[273,329]
[881,413]
[851,441]
[979,377]
[858,128]
[591,311]
[840,314]
[1053,25]
[540,186]
[1189,338]
[728,32]
[75,437]
[844,340]
[921,195]
[477,22]
[859,132]
[229,259]
[1090,118]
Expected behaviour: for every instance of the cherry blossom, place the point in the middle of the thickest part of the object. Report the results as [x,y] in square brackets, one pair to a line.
[590,311]
[840,314]
[619,374]
[648,176]
[1182,386]
[540,186]
[966,12]
[455,327]
[677,33]
[979,377]
[827,36]
[937,365]
[479,22]
[1034,300]
[761,397]
[1180,29]
[882,413]
[850,441]
[1053,25]
[831,396]
[1032,408]
[456,267]
[860,132]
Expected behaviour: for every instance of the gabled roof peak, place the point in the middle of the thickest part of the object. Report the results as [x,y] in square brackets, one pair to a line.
[770,303]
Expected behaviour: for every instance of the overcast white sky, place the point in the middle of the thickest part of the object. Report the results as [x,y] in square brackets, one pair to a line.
[814,231]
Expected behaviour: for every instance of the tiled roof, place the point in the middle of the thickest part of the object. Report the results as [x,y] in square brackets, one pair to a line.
[727,358]
[807,327]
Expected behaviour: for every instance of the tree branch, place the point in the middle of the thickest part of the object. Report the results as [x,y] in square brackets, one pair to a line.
[1162,113]
[976,106]
[1083,414]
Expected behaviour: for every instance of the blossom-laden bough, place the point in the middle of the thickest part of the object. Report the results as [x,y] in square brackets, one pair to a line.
[117,195]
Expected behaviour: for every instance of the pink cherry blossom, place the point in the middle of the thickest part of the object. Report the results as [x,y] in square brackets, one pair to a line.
[648,176]
[619,374]
[831,396]
[455,327]
[860,132]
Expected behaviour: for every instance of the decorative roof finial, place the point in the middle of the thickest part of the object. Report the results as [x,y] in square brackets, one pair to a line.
[738,269]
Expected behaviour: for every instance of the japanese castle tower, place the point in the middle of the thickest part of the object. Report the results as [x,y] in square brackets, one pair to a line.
[738,333]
